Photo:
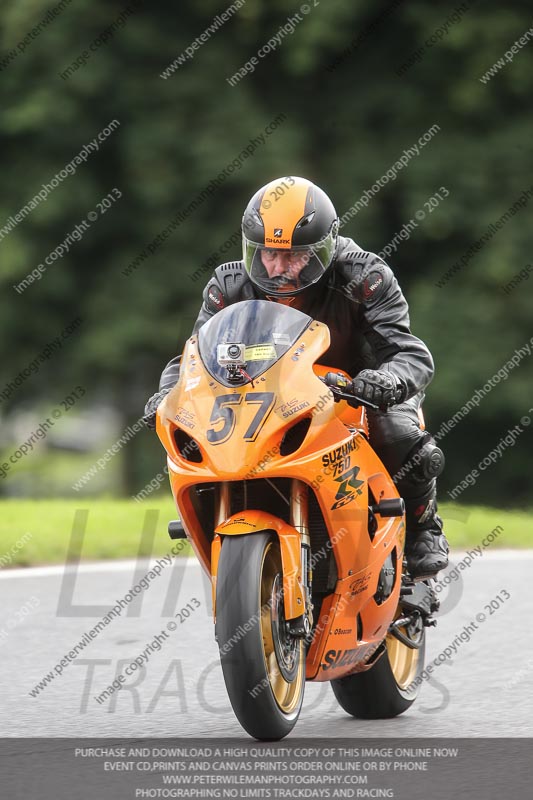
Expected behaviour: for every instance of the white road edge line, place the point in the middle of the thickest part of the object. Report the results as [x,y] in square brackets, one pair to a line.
[124,566]
[99,566]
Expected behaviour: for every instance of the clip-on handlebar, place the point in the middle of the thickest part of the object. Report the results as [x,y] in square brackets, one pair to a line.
[338,384]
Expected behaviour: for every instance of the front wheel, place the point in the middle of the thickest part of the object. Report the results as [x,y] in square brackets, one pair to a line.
[263,665]
[390,687]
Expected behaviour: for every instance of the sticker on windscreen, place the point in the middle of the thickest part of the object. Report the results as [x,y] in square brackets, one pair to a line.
[260,352]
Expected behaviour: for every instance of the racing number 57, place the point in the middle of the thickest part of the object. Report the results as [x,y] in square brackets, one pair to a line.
[223,411]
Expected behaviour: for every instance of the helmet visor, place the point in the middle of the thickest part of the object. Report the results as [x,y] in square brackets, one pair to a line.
[281,272]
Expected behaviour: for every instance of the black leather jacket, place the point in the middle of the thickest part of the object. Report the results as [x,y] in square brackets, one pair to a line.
[361,302]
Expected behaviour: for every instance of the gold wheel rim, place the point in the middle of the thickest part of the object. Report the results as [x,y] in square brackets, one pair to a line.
[287,693]
[403,660]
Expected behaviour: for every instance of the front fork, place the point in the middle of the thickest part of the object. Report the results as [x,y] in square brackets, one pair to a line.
[299,519]
[223,503]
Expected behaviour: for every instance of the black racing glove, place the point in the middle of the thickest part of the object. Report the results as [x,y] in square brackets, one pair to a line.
[382,388]
[150,409]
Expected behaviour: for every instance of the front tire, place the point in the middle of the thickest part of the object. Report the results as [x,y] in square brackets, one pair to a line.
[389,687]
[262,664]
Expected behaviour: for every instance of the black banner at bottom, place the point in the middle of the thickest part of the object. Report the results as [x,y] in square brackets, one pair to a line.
[405,769]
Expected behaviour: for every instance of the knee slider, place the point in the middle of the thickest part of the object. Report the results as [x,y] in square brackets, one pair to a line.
[432,461]
[427,460]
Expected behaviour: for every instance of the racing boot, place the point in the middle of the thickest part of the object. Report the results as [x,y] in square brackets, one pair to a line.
[426,546]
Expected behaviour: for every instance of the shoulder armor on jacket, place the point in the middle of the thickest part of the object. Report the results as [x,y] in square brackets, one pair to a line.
[231,275]
[364,275]
[229,284]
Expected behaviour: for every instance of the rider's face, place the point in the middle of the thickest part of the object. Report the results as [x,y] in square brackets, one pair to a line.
[285,262]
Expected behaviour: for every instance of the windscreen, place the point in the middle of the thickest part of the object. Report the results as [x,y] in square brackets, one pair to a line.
[264,331]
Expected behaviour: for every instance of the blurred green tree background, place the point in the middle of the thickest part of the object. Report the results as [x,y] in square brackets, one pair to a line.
[359,83]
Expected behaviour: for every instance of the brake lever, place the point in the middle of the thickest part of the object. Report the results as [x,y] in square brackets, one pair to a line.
[353,400]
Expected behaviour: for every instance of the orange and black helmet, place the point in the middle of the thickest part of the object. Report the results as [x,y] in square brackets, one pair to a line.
[292,218]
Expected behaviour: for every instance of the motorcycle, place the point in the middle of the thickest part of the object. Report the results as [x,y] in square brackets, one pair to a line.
[295,520]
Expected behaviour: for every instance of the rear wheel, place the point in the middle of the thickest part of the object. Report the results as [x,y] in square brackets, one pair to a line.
[263,665]
[389,687]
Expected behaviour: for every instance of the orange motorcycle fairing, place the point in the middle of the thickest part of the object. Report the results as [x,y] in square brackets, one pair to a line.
[230,445]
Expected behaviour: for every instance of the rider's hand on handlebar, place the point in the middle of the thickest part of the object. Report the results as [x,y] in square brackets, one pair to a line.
[342,388]
[337,381]
[382,388]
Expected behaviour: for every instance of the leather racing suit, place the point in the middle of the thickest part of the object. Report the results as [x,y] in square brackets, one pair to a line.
[361,302]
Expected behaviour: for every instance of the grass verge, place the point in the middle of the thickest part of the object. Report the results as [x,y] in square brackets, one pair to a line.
[114,529]
[40,531]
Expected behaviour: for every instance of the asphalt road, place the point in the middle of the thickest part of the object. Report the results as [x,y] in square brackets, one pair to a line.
[483,690]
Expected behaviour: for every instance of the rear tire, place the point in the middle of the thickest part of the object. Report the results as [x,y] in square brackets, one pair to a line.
[387,688]
[262,664]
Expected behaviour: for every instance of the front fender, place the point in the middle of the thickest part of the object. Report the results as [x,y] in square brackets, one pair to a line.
[249,522]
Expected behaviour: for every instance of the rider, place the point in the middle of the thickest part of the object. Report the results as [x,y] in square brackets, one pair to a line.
[292,254]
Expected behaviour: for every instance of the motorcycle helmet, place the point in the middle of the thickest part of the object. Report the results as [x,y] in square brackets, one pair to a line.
[289,231]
